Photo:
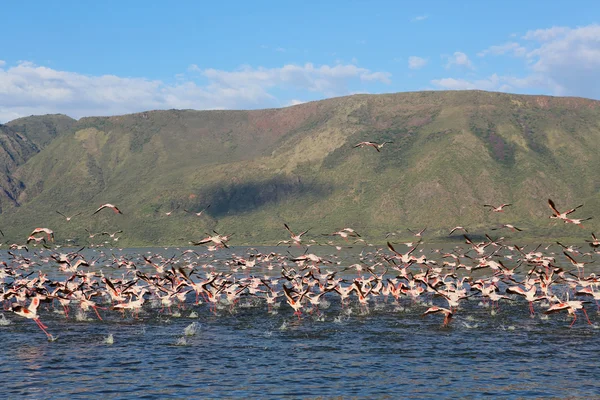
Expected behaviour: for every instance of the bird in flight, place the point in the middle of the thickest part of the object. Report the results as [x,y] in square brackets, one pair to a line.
[168,214]
[594,243]
[500,208]
[419,233]
[458,228]
[68,218]
[108,205]
[198,214]
[509,226]
[297,239]
[376,146]
[557,214]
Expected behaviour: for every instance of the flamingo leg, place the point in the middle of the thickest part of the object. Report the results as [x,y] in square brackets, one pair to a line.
[574,319]
[98,314]
[42,327]
[531,310]
[588,318]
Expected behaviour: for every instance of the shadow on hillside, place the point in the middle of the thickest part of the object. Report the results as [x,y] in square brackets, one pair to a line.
[234,198]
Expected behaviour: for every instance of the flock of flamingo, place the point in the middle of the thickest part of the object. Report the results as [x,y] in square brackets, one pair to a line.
[435,279]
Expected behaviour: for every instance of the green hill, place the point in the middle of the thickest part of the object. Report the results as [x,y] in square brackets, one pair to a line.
[451,152]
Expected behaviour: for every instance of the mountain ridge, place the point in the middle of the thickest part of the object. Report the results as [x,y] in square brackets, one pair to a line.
[451,152]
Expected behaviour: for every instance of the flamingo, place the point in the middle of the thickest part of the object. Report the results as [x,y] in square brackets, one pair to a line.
[594,243]
[571,306]
[108,205]
[435,309]
[31,313]
[419,233]
[499,208]
[458,228]
[376,146]
[297,239]
[198,214]
[528,294]
[49,232]
[557,214]
[69,218]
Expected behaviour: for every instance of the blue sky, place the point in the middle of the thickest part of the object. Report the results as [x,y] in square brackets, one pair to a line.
[107,58]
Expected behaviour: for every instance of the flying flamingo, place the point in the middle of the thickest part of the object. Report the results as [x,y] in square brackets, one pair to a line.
[69,218]
[198,214]
[48,232]
[108,205]
[435,309]
[31,313]
[297,239]
[594,243]
[374,145]
[557,214]
[499,208]
[571,306]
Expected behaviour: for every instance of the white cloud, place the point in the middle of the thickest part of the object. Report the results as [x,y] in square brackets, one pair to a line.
[561,61]
[295,102]
[567,59]
[2,63]
[491,83]
[27,89]
[546,34]
[459,59]
[415,62]
[511,47]
[419,18]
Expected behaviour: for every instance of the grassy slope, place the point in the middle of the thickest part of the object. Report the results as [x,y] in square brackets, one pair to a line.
[451,153]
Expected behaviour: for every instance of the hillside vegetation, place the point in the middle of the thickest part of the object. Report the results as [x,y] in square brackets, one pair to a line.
[451,152]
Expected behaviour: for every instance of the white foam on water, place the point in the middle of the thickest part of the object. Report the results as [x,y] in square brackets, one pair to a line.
[109,339]
[283,326]
[493,312]
[181,341]
[193,314]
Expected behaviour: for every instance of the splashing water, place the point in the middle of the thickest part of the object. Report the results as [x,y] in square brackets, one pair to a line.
[181,341]
[193,314]
[109,339]
[80,316]
[4,321]
[191,329]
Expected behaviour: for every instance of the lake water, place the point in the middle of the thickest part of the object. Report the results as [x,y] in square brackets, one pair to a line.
[387,351]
